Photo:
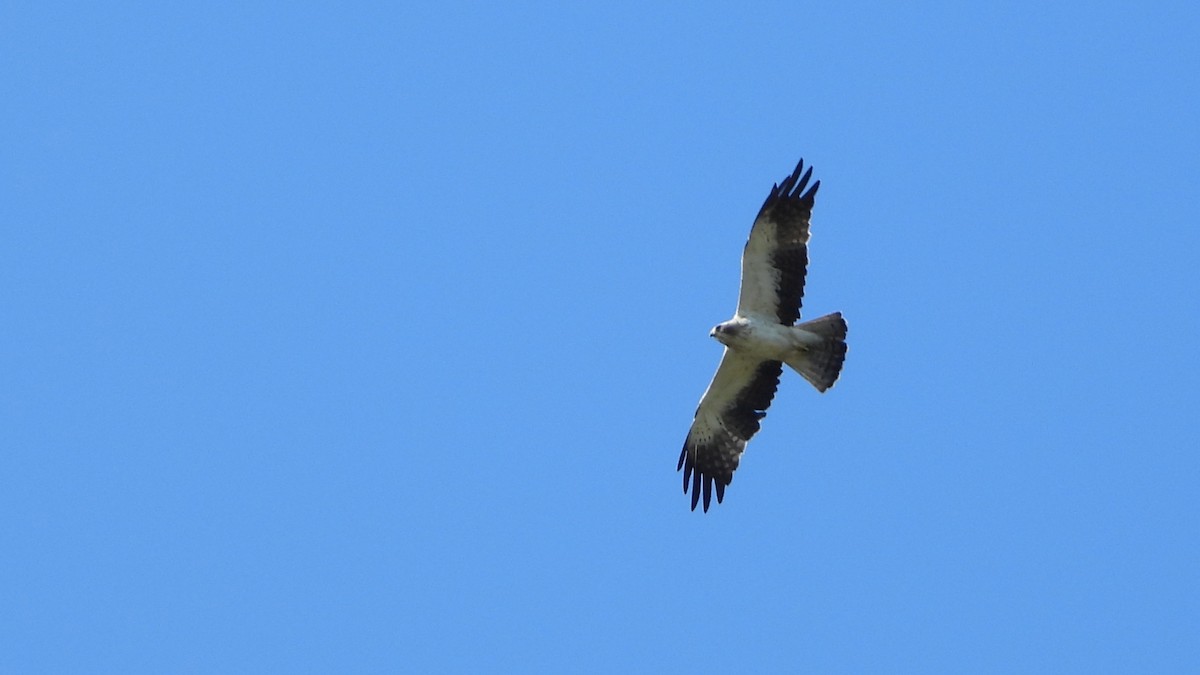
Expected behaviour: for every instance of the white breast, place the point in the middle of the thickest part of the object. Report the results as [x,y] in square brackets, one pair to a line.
[764,339]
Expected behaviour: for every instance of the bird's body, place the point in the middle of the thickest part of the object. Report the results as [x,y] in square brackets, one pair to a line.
[760,338]
[765,339]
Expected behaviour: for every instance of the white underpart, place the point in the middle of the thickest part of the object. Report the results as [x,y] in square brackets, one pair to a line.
[764,338]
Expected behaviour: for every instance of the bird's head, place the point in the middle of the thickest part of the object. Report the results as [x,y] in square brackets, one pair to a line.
[724,332]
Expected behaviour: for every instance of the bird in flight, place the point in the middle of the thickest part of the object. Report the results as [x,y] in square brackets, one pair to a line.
[761,337]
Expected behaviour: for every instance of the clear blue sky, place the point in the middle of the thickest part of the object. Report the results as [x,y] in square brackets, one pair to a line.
[364,337]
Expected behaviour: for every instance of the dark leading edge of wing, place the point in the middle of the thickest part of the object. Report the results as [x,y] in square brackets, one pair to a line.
[789,207]
[713,460]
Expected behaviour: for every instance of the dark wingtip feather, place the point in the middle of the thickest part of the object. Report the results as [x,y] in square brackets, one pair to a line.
[800,184]
[796,171]
[790,182]
[793,186]
[708,482]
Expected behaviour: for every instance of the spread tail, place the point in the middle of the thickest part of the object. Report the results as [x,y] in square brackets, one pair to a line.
[821,349]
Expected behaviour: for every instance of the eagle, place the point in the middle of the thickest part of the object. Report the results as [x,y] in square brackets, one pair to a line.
[761,337]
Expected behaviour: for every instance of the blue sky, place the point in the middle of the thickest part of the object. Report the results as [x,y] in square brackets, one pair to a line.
[364,338]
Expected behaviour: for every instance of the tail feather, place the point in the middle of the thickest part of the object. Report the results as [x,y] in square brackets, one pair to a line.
[822,350]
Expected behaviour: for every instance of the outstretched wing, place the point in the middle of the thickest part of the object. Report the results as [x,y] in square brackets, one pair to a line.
[775,259]
[728,415]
